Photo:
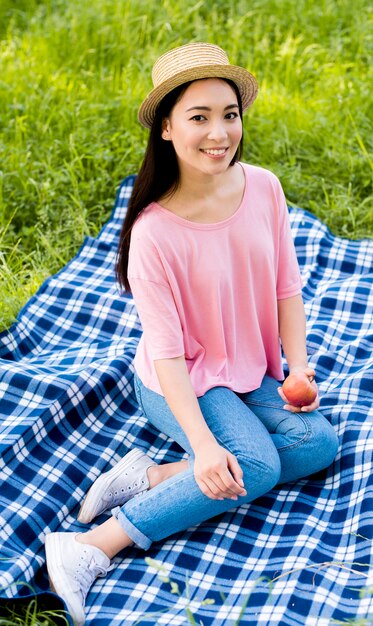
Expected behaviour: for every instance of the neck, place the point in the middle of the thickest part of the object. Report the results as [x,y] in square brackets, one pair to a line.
[199,185]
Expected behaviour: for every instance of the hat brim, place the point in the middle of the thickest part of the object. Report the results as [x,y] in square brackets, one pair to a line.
[245,81]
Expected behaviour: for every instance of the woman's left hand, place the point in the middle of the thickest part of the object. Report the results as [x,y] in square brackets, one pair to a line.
[306,408]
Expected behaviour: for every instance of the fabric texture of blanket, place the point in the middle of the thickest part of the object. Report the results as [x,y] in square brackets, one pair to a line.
[299,555]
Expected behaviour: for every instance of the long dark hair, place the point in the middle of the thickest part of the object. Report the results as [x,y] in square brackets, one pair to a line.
[158,175]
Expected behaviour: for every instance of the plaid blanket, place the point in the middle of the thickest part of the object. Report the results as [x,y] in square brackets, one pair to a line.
[297,556]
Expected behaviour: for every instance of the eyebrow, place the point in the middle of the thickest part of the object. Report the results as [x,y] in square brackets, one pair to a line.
[202,108]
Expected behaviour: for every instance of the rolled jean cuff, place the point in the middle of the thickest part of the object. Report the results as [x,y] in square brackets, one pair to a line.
[139,539]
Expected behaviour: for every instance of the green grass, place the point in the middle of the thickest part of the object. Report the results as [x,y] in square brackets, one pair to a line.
[73,75]
[31,615]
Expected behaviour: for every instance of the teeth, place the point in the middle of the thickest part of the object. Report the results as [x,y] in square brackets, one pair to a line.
[215,152]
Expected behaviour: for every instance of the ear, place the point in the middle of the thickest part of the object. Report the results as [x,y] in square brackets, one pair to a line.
[166,135]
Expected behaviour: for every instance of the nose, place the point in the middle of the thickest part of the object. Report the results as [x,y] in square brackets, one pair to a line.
[217,131]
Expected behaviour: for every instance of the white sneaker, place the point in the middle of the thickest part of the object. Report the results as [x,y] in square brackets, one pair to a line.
[126,479]
[72,569]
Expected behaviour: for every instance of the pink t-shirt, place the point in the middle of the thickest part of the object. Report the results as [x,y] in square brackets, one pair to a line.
[210,291]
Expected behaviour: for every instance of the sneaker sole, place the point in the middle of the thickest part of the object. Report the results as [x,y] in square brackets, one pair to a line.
[89,506]
[53,551]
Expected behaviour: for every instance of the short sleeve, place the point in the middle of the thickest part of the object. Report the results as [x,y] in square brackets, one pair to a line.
[288,280]
[159,319]
[154,299]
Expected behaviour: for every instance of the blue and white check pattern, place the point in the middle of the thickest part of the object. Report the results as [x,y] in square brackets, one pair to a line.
[68,411]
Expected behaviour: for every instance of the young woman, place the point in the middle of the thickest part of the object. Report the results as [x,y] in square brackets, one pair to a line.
[207,252]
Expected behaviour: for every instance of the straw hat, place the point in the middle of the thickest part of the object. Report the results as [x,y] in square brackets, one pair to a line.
[191,62]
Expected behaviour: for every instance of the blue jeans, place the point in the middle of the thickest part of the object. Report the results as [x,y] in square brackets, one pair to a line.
[271,445]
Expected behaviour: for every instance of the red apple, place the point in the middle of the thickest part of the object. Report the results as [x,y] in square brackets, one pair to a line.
[299,390]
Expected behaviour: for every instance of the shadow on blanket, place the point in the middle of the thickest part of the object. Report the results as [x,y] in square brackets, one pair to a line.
[68,412]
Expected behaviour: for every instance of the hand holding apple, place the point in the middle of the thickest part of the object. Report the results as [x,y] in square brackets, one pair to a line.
[299,389]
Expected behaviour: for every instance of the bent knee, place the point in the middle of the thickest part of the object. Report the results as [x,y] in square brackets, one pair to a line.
[265,470]
[315,453]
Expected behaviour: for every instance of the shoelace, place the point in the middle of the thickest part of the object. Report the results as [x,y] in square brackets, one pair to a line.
[87,571]
[116,496]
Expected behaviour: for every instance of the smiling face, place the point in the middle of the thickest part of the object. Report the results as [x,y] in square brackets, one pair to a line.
[205,127]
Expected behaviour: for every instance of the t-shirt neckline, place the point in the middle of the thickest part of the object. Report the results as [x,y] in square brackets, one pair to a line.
[213,225]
